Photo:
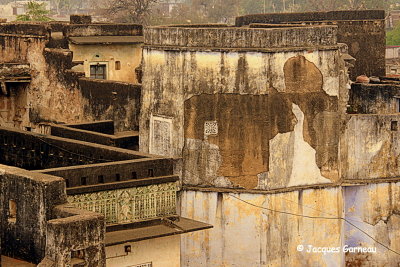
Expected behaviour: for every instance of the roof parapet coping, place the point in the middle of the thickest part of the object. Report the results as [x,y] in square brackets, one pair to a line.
[234,37]
[311,16]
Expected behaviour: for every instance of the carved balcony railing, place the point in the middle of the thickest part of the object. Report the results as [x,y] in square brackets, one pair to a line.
[130,204]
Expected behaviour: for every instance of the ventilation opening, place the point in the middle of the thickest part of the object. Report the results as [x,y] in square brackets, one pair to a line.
[117,177]
[12,211]
[83,180]
[134,175]
[398,104]
[78,258]
[67,182]
[117,65]
[394,126]
[100,179]
[151,173]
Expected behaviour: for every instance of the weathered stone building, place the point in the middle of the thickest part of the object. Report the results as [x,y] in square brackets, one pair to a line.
[270,156]
[105,51]
[273,144]
[38,84]
[84,204]
[363,31]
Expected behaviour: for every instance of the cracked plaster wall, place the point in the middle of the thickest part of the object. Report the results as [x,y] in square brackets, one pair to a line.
[251,96]
[55,93]
[266,238]
[370,147]
[375,208]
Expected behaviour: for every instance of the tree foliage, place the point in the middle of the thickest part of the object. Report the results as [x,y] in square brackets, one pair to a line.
[35,12]
[132,11]
[393,36]
[213,11]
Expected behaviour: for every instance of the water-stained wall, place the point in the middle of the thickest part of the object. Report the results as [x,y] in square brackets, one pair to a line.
[370,147]
[56,93]
[375,209]
[273,113]
[362,30]
[246,235]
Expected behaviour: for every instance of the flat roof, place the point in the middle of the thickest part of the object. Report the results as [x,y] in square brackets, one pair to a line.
[11,262]
[86,40]
[160,228]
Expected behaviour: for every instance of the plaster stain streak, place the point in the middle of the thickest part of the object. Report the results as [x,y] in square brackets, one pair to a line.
[210,155]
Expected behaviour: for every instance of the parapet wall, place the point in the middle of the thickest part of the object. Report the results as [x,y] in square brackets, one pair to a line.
[25,29]
[362,30]
[111,100]
[98,174]
[32,197]
[310,16]
[104,127]
[34,151]
[103,30]
[75,232]
[374,98]
[240,38]
[37,227]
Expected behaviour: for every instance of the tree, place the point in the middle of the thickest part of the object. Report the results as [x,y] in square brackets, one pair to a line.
[393,36]
[35,12]
[131,11]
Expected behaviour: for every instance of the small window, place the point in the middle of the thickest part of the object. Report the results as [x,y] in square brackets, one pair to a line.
[67,182]
[398,104]
[100,179]
[98,71]
[134,175]
[83,180]
[117,65]
[12,211]
[117,177]
[393,126]
[151,173]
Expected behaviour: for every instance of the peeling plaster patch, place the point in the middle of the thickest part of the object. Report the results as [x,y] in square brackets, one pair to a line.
[331,86]
[262,180]
[326,63]
[280,160]
[304,169]
[292,160]
[278,61]
[209,156]
[222,181]
[371,151]
[370,207]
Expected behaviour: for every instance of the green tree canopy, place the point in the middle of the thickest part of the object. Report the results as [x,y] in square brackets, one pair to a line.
[35,12]
[393,36]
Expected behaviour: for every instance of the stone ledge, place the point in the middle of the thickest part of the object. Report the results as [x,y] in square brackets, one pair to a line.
[241,37]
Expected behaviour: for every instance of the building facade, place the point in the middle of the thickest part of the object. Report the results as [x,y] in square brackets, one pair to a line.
[263,117]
